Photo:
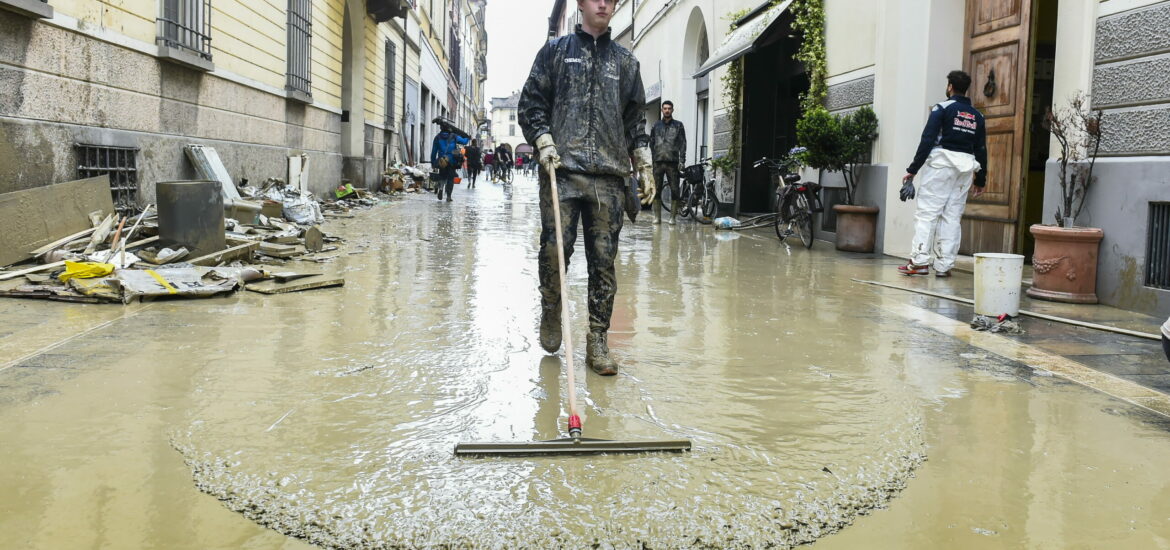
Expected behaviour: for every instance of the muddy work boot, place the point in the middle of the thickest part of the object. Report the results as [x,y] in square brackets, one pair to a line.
[657,212]
[550,329]
[674,205]
[597,355]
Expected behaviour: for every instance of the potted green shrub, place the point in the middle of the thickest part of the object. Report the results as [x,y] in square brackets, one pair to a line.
[843,144]
[1065,259]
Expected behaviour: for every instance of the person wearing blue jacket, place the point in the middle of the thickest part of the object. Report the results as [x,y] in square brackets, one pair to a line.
[446,157]
[952,163]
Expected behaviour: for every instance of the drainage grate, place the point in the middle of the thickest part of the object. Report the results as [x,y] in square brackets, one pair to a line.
[1158,246]
[121,164]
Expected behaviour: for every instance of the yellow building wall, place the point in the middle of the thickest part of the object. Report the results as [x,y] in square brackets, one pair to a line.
[249,38]
[132,18]
[328,22]
[375,73]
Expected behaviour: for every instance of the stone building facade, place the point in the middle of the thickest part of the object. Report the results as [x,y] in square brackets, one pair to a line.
[335,81]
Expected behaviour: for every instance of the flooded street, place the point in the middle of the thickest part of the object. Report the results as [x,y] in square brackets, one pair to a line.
[822,410]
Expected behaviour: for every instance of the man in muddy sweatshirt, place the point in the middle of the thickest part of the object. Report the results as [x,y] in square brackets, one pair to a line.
[668,143]
[582,107]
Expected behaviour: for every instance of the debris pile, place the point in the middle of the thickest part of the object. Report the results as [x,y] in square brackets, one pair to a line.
[97,256]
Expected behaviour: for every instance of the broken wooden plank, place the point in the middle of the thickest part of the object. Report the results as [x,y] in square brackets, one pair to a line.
[282,251]
[62,242]
[6,275]
[276,287]
[45,267]
[32,218]
[237,252]
[100,233]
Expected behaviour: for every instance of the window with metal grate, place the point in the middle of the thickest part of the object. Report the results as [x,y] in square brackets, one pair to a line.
[186,25]
[300,36]
[391,72]
[121,164]
[1158,246]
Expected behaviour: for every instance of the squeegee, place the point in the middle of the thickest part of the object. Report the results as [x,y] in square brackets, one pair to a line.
[575,443]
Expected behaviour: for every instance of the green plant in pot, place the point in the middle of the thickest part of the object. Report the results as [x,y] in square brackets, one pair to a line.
[842,144]
[1065,259]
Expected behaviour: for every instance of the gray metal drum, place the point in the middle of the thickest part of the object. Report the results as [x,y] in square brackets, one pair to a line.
[190,214]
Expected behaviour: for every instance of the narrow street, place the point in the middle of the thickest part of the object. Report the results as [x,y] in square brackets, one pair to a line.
[328,418]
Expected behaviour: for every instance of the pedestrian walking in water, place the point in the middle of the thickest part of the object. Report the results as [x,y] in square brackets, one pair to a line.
[489,164]
[582,108]
[474,162]
[668,142]
[952,157]
[446,157]
[503,162]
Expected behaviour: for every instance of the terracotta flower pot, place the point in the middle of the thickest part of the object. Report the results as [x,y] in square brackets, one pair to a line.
[1065,264]
[856,227]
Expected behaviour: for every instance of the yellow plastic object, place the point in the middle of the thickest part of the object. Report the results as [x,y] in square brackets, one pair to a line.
[85,270]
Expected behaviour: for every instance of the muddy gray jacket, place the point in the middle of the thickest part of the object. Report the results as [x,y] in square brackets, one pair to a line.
[588,94]
[668,142]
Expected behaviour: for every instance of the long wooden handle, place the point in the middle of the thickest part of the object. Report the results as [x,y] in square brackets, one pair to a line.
[566,332]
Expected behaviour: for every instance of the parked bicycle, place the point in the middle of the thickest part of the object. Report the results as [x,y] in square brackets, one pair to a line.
[794,202]
[697,193]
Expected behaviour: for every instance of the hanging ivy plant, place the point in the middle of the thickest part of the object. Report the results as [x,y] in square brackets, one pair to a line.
[809,20]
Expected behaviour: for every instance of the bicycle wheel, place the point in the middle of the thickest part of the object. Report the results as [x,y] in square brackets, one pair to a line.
[665,196]
[707,205]
[507,175]
[802,219]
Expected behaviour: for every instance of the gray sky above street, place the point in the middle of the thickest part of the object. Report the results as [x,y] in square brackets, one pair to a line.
[516,31]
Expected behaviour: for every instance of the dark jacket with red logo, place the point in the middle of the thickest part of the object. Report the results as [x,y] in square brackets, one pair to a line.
[588,94]
[955,125]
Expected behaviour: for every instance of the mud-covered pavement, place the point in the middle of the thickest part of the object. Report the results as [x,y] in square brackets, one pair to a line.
[328,417]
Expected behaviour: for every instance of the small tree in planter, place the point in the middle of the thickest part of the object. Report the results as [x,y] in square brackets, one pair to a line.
[842,144]
[1065,259]
[1078,131]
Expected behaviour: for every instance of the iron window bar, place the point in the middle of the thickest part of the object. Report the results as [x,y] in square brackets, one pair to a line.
[1158,246]
[186,25]
[120,164]
[300,36]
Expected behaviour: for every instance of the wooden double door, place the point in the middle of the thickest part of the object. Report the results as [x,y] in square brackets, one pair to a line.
[998,50]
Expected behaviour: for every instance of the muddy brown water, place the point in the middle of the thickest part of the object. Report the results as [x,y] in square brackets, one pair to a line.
[328,418]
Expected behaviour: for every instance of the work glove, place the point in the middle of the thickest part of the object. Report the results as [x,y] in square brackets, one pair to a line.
[645,169]
[550,159]
[907,192]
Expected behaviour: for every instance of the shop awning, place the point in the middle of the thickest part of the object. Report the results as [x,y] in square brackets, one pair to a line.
[743,40]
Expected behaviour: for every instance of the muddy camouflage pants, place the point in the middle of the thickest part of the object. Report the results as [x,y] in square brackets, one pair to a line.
[596,203]
[667,171]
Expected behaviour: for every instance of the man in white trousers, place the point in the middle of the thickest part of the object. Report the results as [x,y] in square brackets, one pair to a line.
[952,157]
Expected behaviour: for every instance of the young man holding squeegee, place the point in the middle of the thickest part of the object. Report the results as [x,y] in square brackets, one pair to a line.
[582,107]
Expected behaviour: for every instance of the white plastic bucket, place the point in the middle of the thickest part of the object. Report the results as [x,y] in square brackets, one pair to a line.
[997,284]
